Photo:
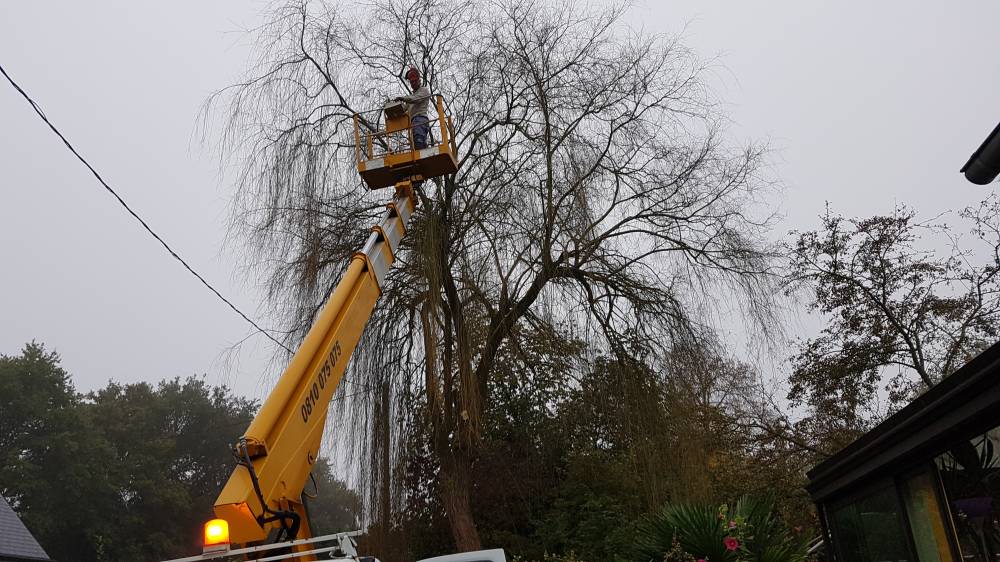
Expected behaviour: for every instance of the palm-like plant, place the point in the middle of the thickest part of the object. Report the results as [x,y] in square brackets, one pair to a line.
[702,530]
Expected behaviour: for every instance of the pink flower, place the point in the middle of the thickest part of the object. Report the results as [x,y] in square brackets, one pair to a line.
[732,524]
[731,543]
[702,560]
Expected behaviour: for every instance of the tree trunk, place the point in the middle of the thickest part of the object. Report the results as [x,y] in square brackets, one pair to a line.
[456,488]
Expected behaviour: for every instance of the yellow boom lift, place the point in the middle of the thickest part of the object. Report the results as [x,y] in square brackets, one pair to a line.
[262,501]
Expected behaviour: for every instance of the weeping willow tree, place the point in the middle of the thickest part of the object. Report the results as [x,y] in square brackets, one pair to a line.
[596,201]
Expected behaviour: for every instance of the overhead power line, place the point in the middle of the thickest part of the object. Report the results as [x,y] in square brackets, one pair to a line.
[135,215]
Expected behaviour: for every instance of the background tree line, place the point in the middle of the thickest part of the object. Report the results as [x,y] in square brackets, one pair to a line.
[128,472]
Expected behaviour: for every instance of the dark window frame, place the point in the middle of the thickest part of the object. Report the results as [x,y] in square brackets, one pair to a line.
[866,490]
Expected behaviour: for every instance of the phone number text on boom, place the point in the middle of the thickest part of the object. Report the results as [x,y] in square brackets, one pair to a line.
[309,404]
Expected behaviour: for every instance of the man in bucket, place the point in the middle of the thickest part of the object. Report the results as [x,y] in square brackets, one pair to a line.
[418,107]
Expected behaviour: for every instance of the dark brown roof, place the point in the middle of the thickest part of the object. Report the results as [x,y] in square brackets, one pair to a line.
[16,543]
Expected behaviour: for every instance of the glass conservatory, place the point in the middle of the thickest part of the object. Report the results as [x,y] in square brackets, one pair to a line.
[922,486]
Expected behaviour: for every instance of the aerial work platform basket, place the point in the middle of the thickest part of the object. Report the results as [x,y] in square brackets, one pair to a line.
[387,155]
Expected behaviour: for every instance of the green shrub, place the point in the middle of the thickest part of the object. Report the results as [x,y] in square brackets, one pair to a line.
[749,531]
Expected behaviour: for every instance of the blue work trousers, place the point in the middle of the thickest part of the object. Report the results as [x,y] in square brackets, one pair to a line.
[421,131]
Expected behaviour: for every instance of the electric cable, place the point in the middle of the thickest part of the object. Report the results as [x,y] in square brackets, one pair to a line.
[41,114]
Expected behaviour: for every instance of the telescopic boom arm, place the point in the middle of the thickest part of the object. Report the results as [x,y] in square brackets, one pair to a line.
[277,452]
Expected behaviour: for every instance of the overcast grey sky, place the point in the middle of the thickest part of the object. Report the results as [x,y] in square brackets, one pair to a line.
[866,104]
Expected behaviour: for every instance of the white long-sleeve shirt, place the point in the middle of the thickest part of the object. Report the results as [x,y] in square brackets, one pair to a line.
[418,103]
